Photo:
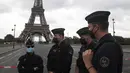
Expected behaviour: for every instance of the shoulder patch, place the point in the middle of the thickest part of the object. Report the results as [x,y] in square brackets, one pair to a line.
[104,62]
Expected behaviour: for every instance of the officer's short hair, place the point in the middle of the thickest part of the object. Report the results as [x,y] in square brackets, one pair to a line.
[103,25]
[29,42]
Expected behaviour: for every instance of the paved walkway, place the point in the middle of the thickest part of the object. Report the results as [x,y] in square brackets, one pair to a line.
[9,48]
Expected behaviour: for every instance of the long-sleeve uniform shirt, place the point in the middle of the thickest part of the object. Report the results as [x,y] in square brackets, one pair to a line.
[108,56]
[30,64]
[80,64]
[60,58]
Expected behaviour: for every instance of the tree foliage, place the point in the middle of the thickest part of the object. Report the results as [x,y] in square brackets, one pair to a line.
[9,38]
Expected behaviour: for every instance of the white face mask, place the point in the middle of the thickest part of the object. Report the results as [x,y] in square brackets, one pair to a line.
[30,50]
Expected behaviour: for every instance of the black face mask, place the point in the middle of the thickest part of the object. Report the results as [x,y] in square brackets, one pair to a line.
[55,40]
[83,42]
[92,35]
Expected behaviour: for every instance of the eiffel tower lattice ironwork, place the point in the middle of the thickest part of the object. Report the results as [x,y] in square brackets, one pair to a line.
[31,28]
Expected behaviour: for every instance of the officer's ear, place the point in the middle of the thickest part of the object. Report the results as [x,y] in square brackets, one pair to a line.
[96,26]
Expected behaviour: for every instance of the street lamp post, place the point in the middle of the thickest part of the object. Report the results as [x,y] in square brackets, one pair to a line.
[113,26]
[14,36]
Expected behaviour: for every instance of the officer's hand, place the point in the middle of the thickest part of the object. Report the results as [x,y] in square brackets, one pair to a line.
[50,72]
[87,57]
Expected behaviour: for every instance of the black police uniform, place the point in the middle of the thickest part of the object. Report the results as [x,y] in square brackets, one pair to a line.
[60,56]
[108,56]
[28,63]
[80,64]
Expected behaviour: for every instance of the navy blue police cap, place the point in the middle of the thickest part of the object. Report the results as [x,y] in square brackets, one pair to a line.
[58,31]
[83,31]
[98,16]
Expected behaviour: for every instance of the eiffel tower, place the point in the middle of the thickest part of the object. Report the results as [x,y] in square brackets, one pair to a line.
[31,28]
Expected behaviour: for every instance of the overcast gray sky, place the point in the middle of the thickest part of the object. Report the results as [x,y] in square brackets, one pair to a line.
[68,14]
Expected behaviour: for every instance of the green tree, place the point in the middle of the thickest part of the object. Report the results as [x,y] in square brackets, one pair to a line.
[9,38]
[69,39]
[76,40]
[126,41]
[120,39]
[1,41]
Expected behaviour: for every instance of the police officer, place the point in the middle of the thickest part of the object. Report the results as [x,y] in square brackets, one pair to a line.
[30,62]
[60,55]
[108,57]
[87,43]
